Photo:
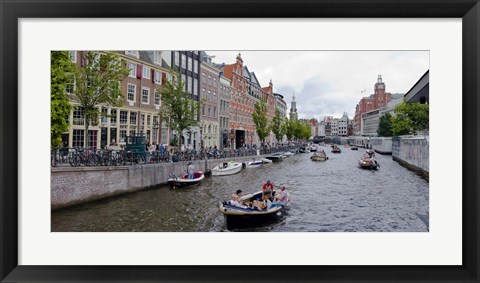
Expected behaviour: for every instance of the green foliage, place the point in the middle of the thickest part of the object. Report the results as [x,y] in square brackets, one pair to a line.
[302,129]
[98,82]
[290,128]
[277,126]
[385,126]
[61,75]
[181,110]
[410,118]
[260,119]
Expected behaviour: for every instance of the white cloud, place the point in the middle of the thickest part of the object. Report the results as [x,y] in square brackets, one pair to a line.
[330,82]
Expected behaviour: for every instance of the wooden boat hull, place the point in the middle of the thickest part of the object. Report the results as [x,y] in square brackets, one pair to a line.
[366,164]
[318,158]
[237,217]
[336,151]
[185,182]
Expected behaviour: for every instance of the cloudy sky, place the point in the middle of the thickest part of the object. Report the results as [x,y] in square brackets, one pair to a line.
[330,82]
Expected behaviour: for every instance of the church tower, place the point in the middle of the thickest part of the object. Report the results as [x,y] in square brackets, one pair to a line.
[293,109]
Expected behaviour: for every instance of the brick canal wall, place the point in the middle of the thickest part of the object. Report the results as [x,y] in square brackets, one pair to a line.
[412,152]
[71,186]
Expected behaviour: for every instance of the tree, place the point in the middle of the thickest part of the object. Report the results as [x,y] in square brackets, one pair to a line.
[290,127]
[302,130]
[260,120]
[277,126]
[61,75]
[178,106]
[385,126]
[410,118]
[97,81]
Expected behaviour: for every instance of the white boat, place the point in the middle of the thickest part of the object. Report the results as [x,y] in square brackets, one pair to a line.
[184,181]
[288,153]
[227,168]
[253,164]
[265,160]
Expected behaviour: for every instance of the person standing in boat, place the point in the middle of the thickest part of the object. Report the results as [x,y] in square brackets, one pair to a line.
[190,171]
[267,191]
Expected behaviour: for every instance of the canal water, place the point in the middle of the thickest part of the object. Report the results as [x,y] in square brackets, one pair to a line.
[331,196]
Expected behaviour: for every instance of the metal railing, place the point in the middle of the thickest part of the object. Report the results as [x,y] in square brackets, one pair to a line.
[76,157]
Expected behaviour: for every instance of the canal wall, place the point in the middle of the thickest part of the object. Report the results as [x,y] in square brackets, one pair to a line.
[75,185]
[381,145]
[412,152]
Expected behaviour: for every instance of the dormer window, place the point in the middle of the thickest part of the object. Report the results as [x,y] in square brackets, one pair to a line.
[132,53]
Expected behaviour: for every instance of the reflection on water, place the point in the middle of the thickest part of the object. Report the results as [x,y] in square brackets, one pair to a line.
[331,196]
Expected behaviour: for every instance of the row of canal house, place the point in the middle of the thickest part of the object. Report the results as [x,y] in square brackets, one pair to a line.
[229,93]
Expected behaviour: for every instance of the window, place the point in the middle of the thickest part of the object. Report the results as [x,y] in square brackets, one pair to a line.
[113,117]
[78,118]
[209,112]
[73,56]
[145,95]
[183,80]
[190,62]
[123,117]
[195,66]
[104,116]
[132,52]
[133,118]
[177,58]
[123,134]
[77,138]
[158,77]
[148,121]
[157,57]
[214,111]
[209,80]
[214,82]
[203,109]
[133,69]
[70,86]
[131,89]
[189,84]
[157,97]
[184,61]
[195,86]
[146,72]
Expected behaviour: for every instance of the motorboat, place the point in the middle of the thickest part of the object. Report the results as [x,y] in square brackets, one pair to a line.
[354,147]
[227,168]
[288,154]
[275,157]
[319,157]
[368,163]
[251,211]
[253,164]
[265,160]
[336,149]
[303,150]
[184,181]
[313,148]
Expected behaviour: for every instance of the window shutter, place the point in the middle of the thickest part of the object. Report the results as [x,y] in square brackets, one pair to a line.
[164,78]
[153,76]
[139,71]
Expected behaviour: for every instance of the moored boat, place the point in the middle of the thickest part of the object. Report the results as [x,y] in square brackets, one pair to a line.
[253,164]
[265,160]
[354,147]
[184,181]
[245,216]
[275,157]
[227,168]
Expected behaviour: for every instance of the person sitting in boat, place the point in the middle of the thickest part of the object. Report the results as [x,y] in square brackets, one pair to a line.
[190,171]
[267,191]
[225,165]
[236,199]
[280,198]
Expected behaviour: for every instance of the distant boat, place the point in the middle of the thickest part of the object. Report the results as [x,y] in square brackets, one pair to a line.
[368,163]
[319,157]
[336,150]
[354,147]
[275,157]
[265,160]
[184,181]
[227,168]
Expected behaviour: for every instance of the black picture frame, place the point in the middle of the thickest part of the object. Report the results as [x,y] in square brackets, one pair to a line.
[11,11]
